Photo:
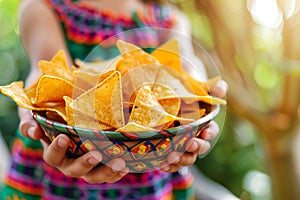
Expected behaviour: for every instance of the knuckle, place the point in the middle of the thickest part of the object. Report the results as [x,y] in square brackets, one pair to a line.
[91,179]
[70,173]
[48,160]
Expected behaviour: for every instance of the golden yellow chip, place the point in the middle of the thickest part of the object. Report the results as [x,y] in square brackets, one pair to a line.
[109,101]
[138,76]
[168,54]
[156,91]
[60,59]
[133,56]
[148,112]
[173,84]
[171,106]
[52,89]
[16,92]
[31,91]
[104,100]
[98,66]
[54,69]
[79,118]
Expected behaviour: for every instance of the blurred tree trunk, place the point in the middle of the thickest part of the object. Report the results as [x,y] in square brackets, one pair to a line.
[232,29]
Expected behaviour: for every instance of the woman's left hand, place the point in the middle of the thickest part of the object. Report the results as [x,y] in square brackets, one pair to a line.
[196,146]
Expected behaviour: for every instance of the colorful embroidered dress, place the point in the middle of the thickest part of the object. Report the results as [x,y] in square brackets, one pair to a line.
[31,178]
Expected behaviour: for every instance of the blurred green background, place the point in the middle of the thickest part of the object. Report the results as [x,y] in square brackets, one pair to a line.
[236,162]
[14,64]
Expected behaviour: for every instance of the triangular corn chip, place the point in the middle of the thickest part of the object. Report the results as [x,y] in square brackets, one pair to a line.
[138,76]
[168,54]
[52,89]
[104,100]
[54,69]
[16,92]
[98,66]
[80,119]
[173,84]
[148,112]
[60,59]
[133,56]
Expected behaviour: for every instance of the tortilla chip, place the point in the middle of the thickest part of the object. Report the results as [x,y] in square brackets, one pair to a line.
[98,66]
[31,91]
[148,112]
[86,81]
[133,56]
[174,85]
[52,89]
[17,93]
[104,100]
[60,59]
[109,101]
[171,106]
[80,119]
[53,69]
[138,76]
[168,54]
[212,82]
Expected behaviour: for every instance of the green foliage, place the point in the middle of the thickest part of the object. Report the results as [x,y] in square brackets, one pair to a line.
[237,152]
[13,65]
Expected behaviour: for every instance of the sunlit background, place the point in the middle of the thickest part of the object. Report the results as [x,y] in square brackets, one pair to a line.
[238,160]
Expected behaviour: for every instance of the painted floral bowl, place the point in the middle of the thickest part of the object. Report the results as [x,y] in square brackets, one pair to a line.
[142,151]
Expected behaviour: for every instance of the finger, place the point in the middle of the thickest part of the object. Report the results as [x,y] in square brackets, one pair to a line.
[119,175]
[166,167]
[111,172]
[55,153]
[80,166]
[29,128]
[220,89]
[211,132]
[182,159]
[197,146]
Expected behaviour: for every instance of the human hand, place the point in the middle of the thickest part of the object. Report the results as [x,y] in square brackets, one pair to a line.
[82,167]
[196,146]
[85,166]
[28,126]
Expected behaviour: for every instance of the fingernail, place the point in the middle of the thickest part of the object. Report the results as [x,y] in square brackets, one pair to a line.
[205,147]
[31,131]
[207,135]
[174,158]
[96,157]
[116,167]
[62,142]
[192,146]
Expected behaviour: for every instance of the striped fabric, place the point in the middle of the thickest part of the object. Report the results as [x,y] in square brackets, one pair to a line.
[31,178]
[86,27]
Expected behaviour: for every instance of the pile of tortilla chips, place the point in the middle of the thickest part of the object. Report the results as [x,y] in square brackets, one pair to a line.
[134,92]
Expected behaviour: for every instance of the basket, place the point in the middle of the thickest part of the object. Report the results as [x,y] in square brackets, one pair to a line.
[142,151]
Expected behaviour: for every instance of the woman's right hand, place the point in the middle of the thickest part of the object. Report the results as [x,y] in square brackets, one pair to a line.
[82,167]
